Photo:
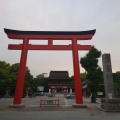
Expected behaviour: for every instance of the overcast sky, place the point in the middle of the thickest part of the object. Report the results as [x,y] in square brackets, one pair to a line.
[61,15]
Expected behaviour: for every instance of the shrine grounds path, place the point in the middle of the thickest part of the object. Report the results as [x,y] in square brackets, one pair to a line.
[33,111]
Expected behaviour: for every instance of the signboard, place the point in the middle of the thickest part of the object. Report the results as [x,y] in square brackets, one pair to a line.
[99,93]
[40,88]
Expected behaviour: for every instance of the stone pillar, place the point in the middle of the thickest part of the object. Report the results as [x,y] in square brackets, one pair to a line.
[67,90]
[27,91]
[108,77]
[49,91]
[70,91]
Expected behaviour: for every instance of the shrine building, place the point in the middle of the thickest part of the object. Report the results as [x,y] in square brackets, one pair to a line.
[59,81]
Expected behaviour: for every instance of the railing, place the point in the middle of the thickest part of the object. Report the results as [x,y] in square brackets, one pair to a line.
[49,102]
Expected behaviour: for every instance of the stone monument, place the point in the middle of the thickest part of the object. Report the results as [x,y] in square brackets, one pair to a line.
[110,103]
[108,77]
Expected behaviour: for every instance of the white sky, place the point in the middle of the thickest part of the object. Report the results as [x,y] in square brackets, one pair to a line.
[61,15]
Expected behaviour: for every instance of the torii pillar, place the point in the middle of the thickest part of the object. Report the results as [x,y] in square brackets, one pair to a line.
[50,36]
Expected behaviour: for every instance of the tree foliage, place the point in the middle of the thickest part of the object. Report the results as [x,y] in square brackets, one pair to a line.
[94,73]
[4,76]
[83,76]
[8,77]
[40,81]
[116,79]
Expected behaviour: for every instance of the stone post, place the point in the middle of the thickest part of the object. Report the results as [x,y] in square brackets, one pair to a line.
[110,103]
[70,91]
[108,77]
[27,91]
[49,91]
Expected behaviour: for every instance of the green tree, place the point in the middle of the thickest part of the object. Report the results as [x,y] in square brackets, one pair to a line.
[28,84]
[94,73]
[40,81]
[72,82]
[28,78]
[83,76]
[5,80]
[4,70]
[14,73]
[116,80]
[8,77]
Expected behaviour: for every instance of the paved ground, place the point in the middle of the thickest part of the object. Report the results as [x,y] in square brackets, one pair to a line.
[33,111]
[34,103]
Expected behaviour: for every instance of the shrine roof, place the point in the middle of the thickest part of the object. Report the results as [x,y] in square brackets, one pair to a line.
[11,31]
[58,75]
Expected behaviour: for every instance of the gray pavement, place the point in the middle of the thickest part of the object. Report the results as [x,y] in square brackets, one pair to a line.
[33,111]
[34,103]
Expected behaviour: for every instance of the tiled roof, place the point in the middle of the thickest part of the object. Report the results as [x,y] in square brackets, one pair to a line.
[58,75]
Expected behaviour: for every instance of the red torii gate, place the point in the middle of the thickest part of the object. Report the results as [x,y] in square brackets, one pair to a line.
[50,36]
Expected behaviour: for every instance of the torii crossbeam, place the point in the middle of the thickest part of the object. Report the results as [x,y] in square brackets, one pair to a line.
[50,36]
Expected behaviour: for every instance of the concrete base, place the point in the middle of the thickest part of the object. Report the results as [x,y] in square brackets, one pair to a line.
[79,105]
[16,105]
[110,105]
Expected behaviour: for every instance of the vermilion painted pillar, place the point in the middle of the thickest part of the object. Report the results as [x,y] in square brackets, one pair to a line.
[77,81]
[21,73]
